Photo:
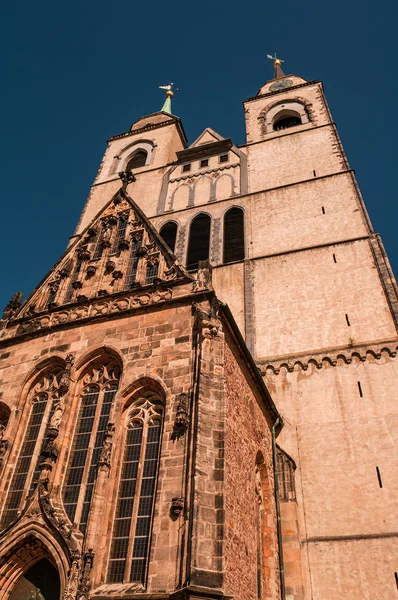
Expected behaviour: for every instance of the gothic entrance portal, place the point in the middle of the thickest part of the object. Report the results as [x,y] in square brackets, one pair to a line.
[40,582]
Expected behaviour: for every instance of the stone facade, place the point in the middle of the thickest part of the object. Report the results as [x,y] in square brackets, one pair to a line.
[314,298]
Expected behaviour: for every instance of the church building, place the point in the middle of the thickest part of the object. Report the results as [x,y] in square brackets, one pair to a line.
[198,401]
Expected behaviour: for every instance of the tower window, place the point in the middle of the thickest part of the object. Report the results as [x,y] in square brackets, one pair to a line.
[138,160]
[204,163]
[224,158]
[169,234]
[186,168]
[285,474]
[234,238]
[286,122]
[199,241]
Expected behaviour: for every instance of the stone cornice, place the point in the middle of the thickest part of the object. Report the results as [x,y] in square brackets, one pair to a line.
[207,171]
[175,121]
[284,91]
[329,357]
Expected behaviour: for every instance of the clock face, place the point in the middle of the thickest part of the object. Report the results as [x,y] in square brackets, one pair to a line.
[281,85]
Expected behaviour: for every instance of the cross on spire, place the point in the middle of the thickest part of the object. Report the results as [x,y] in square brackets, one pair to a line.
[277,65]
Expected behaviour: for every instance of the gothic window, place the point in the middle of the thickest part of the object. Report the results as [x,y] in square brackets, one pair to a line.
[99,387]
[25,476]
[285,474]
[234,236]
[120,233]
[169,234]
[129,553]
[199,241]
[285,122]
[152,269]
[131,273]
[74,278]
[138,160]
[99,247]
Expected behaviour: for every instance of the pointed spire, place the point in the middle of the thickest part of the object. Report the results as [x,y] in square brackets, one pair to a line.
[169,94]
[279,74]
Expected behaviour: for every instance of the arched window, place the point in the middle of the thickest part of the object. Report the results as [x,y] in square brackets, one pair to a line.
[26,472]
[284,122]
[128,560]
[285,473]
[169,233]
[199,241]
[99,387]
[131,272]
[152,270]
[120,233]
[234,235]
[138,160]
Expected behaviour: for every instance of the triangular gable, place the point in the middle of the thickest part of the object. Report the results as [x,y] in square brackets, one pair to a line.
[119,250]
[207,137]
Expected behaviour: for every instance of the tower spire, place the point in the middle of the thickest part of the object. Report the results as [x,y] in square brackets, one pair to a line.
[169,94]
[277,66]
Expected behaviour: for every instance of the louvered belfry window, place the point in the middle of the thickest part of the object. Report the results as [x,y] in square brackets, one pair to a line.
[130,546]
[169,234]
[234,235]
[199,241]
[26,472]
[100,384]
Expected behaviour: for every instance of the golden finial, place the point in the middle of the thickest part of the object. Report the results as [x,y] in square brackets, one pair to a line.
[169,94]
[277,65]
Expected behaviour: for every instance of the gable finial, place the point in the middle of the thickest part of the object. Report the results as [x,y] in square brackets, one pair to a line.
[169,94]
[277,66]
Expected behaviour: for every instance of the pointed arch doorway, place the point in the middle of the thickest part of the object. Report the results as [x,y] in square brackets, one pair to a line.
[40,582]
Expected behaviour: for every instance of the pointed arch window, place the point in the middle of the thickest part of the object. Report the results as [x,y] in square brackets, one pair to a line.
[26,472]
[74,278]
[285,473]
[234,235]
[138,160]
[120,233]
[199,241]
[99,387]
[131,273]
[169,234]
[129,553]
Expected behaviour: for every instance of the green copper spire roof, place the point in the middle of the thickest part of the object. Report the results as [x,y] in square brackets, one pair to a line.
[169,94]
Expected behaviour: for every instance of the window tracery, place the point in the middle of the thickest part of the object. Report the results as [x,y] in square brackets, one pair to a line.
[129,554]
[98,389]
[42,400]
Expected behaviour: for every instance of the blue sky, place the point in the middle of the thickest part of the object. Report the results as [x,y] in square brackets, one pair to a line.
[75,73]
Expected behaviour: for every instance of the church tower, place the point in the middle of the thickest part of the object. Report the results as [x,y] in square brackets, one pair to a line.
[198,401]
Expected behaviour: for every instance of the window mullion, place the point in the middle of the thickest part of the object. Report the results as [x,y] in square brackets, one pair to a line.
[129,558]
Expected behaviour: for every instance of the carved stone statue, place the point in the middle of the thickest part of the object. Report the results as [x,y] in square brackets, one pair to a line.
[72,584]
[58,413]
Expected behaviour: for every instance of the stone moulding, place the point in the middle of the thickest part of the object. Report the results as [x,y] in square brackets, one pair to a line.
[96,307]
[330,357]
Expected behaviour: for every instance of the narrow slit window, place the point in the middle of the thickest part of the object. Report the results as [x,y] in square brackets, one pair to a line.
[360,389]
[199,241]
[334,258]
[379,477]
[396,579]
[128,562]
[323,210]
[169,234]
[348,321]
[314,172]
[132,268]
[234,235]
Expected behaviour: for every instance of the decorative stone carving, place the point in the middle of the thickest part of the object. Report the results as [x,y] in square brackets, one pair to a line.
[177,506]
[127,177]
[83,253]
[13,306]
[136,224]
[91,270]
[64,273]
[211,326]
[124,244]
[141,251]
[105,456]
[203,277]
[64,383]
[170,274]
[77,285]
[102,293]
[110,266]
[81,298]
[72,584]
[182,419]
[92,232]
[85,584]
[117,274]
